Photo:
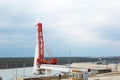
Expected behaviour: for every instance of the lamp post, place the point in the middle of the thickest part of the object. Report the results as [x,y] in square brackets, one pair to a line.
[69,58]
[69,63]
[7,65]
[24,69]
[16,70]
[12,73]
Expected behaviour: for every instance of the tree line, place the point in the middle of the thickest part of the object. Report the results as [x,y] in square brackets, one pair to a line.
[28,61]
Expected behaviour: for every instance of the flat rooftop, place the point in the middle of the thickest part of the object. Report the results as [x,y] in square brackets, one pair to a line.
[113,67]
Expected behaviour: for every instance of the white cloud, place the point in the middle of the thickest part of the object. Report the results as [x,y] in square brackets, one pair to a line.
[71,21]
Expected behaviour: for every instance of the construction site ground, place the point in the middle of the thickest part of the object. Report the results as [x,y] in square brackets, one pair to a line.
[114,75]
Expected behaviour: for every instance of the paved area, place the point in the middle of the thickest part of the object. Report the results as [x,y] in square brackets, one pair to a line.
[106,78]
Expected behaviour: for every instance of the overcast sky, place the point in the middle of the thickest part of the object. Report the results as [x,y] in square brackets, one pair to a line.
[71,27]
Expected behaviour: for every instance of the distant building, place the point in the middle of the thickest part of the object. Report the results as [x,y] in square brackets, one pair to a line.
[100,61]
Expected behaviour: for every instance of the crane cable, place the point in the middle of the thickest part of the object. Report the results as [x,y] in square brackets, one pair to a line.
[49,52]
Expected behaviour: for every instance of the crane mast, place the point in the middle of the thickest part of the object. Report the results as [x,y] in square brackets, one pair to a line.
[40,44]
[39,52]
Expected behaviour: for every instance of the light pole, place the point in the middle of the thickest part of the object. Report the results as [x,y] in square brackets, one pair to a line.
[7,65]
[69,58]
[69,62]
[12,73]
[16,70]
[24,69]
[116,67]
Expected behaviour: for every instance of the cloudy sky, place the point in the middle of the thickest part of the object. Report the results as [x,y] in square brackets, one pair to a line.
[71,27]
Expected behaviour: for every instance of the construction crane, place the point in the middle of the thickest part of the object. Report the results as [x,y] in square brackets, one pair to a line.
[39,53]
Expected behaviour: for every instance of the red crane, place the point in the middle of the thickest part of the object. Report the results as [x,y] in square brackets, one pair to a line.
[41,59]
